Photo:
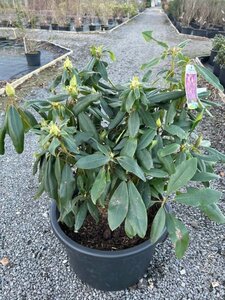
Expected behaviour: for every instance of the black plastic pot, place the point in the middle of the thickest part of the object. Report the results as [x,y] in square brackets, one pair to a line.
[64,27]
[55,26]
[178,26]
[186,30]
[211,32]
[106,270]
[104,27]
[222,76]
[44,26]
[216,69]
[79,29]
[119,21]
[33,58]
[199,32]
[194,25]
[92,27]
[221,32]
[212,56]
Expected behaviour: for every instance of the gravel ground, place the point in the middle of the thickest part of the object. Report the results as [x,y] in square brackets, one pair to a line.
[38,268]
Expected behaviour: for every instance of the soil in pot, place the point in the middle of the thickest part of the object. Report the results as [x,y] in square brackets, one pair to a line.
[216,69]
[33,58]
[199,32]
[212,57]
[222,76]
[99,236]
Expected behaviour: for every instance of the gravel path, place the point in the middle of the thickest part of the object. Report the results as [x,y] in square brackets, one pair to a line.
[38,266]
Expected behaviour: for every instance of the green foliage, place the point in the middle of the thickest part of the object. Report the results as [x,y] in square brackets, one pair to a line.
[121,149]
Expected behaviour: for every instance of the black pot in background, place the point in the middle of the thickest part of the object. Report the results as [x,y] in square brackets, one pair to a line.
[218,27]
[211,32]
[92,27]
[64,27]
[79,29]
[199,32]
[55,26]
[221,32]
[5,23]
[216,69]
[178,26]
[110,21]
[45,26]
[3,38]
[33,58]
[186,30]
[104,27]
[119,21]
[212,56]
[194,25]
[106,270]
[222,76]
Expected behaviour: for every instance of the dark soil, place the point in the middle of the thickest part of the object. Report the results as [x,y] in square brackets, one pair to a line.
[99,236]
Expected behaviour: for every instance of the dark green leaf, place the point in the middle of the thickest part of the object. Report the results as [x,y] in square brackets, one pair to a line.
[169,149]
[80,216]
[209,76]
[214,213]
[130,165]
[92,161]
[158,225]
[118,206]
[129,148]
[184,172]
[133,124]
[98,186]
[204,176]
[146,138]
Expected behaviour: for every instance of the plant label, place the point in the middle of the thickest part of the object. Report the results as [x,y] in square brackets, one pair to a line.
[191,87]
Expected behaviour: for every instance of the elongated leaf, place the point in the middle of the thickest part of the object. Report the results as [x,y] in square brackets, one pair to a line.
[93,210]
[184,172]
[214,213]
[209,76]
[84,102]
[92,161]
[98,186]
[147,35]
[178,234]
[176,130]
[118,118]
[80,217]
[216,154]
[67,186]
[169,149]
[118,206]
[197,197]
[137,214]
[146,138]
[133,124]
[145,159]
[151,63]
[158,225]
[87,125]
[158,173]
[165,96]
[204,176]
[129,148]
[171,113]
[130,165]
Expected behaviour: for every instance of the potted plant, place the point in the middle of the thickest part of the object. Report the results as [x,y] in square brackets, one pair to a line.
[218,41]
[112,157]
[220,61]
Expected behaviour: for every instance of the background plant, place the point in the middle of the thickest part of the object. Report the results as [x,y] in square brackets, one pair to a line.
[124,148]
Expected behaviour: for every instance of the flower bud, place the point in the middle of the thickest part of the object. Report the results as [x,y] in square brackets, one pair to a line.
[10,91]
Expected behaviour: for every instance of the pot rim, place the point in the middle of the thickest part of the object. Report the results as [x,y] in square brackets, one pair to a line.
[72,245]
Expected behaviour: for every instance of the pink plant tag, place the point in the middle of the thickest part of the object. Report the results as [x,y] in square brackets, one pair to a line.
[191,87]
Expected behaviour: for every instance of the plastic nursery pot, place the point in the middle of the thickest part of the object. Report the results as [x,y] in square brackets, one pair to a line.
[55,26]
[79,29]
[210,33]
[64,28]
[186,30]
[222,76]
[104,27]
[33,58]
[216,69]
[92,27]
[45,26]
[199,32]
[106,270]
[212,57]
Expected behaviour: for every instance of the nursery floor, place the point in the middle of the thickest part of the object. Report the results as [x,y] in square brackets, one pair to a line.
[38,268]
